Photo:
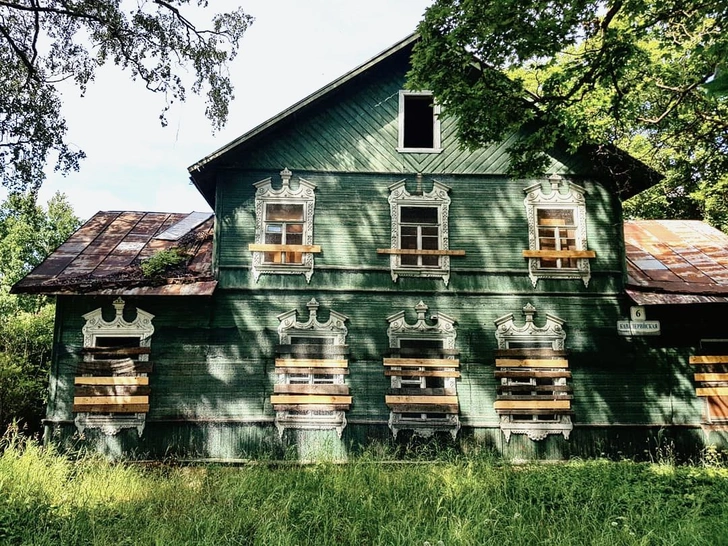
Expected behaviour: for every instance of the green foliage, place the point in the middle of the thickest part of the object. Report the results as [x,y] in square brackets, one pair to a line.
[162,261]
[586,73]
[48,499]
[28,233]
[48,41]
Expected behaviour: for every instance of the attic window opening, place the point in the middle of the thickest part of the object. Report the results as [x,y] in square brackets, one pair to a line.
[419,125]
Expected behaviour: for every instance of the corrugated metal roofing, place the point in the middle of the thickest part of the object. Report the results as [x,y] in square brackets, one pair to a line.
[675,262]
[104,257]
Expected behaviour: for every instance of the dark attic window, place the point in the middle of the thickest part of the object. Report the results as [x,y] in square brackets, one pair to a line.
[419,127]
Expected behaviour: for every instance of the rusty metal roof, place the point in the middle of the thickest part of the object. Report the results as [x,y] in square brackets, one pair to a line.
[104,255]
[676,261]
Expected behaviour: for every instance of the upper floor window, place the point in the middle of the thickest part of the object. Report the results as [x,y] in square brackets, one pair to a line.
[284,227]
[419,124]
[420,239]
[557,231]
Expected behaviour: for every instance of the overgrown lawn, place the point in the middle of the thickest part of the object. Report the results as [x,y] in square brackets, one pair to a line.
[46,498]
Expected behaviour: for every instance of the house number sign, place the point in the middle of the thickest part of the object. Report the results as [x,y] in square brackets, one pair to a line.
[638,325]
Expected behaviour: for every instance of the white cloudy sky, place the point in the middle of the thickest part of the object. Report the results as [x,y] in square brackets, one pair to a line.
[294,48]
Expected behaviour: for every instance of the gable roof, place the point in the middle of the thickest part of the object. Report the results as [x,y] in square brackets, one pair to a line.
[103,257]
[285,139]
[676,261]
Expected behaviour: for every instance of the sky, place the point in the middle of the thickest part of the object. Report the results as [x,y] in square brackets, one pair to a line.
[293,48]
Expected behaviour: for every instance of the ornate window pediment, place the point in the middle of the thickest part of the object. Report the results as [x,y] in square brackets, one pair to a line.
[420,241]
[284,227]
[557,242]
[534,397]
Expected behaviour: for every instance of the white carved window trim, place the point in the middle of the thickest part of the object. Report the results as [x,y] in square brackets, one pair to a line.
[302,194]
[436,129]
[96,327]
[441,328]
[552,333]
[333,329]
[561,194]
[437,198]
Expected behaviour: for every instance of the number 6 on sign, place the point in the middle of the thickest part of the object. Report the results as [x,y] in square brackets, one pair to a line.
[637,313]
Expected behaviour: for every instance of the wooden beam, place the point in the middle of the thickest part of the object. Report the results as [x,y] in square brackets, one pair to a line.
[422,362]
[394,399]
[102,367]
[308,399]
[418,252]
[712,391]
[424,408]
[312,362]
[111,390]
[530,353]
[313,249]
[111,381]
[111,408]
[106,400]
[711,377]
[532,404]
[525,374]
[311,389]
[709,359]
[554,254]
[421,373]
[314,371]
[410,391]
[531,363]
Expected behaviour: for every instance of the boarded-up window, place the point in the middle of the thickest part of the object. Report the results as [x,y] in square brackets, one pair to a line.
[284,224]
[557,231]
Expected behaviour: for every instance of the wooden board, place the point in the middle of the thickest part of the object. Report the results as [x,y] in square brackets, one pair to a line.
[421,373]
[421,352]
[284,248]
[529,353]
[313,350]
[311,407]
[107,400]
[711,377]
[536,388]
[111,381]
[410,391]
[709,359]
[524,374]
[313,371]
[106,367]
[308,399]
[116,351]
[111,408]
[718,408]
[395,399]
[712,391]
[532,404]
[422,362]
[531,363]
[424,408]
[111,390]
[553,254]
[418,252]
[311,362]
[311,389]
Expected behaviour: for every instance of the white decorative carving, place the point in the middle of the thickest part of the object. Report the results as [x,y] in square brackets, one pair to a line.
[561,194]
[333,329]
[552,332]
[303,194]
[97,327]
[441,327]
[438,197]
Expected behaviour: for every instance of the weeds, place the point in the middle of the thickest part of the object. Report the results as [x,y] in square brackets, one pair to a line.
[46,498]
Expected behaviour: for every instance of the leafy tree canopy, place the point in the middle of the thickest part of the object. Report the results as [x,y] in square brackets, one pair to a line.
[646,76]
[44,42]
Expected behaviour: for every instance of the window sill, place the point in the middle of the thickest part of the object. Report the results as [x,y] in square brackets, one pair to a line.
[419,150]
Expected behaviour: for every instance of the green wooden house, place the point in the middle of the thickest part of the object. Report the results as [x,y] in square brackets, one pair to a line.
[365,279]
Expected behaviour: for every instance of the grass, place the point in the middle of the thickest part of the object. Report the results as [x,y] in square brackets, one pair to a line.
[46,498]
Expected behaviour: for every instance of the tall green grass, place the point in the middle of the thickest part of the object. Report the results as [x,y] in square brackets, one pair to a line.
[46,498]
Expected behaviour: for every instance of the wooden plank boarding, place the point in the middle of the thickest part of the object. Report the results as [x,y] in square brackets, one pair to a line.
[313,371]
[409,399]
[532,404]
[311,362]
[305,399]
[425,408]
[111,390]
[530,353]
[422,362]
[106,400]
[531,363]
[311,389]
[111,408]
[116,351]
[314,249]
[711,377]
[712,391]
[106,367]
[111,381]
[421,373]
[521,374]
[709,359]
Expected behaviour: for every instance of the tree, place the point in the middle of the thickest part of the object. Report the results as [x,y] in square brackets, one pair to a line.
[44,42]
[641,75]
[28,233]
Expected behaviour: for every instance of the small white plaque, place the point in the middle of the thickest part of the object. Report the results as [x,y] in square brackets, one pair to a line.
[637,313]
[638,327]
